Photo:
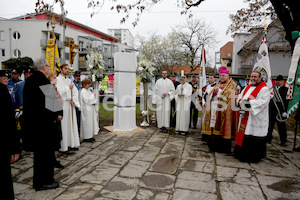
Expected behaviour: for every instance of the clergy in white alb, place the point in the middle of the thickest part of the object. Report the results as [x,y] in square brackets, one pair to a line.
[183,95]
[89,125]
[163,94]
[254,120]
[70,136]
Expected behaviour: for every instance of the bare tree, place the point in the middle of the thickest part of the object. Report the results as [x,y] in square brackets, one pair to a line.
[164,52]
[286,10]
[192,35]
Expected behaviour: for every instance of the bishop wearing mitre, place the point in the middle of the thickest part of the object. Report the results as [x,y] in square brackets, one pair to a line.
[222,118]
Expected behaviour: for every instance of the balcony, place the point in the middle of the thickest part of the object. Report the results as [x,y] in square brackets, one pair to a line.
[43,43]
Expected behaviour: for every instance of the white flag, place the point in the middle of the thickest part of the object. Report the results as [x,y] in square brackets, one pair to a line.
[202,74]
[262,64]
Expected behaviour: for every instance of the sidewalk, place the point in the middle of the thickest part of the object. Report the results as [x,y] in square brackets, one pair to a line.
[155,165]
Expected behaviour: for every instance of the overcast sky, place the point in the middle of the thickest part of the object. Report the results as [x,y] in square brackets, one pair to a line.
[160,19]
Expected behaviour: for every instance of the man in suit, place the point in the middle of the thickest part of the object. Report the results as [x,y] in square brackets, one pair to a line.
[281,104]
[39,126]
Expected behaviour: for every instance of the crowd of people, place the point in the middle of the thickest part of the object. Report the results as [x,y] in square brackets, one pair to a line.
[42,114]
[246,117]
[229,114]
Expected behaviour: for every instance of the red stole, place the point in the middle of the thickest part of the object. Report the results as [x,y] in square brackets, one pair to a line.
[253,95]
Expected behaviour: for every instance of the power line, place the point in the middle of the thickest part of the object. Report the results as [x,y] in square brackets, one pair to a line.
[157,12]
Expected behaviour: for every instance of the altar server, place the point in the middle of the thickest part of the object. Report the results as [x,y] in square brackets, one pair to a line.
[66,89]
[183,95]
[89,119]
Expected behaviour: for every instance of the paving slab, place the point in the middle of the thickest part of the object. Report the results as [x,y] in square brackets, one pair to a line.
[121,188]
[167,164]
[280,187]
[206,187]
[151,194]
[135,169]
[181,194]
[197,166]
[100,175]
[74,192]
[233,191]
[157,181]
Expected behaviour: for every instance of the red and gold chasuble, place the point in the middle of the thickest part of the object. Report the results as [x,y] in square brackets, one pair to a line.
[227,120]
[253,95]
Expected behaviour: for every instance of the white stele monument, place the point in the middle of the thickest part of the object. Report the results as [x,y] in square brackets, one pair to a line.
[125,65]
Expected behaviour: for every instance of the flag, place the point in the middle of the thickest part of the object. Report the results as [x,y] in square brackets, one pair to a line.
[262,64]
[202,74]
[294,77]
[52,55]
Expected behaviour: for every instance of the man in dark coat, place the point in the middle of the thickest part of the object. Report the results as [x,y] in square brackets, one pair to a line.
[282,104]
[173,103]
[193,109]
[39,134]
[10,146]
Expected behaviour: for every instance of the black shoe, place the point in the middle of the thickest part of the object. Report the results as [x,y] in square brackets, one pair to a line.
[283,144]
[66,152]
[89,140]
[57,164]
[74,148]
[53,185]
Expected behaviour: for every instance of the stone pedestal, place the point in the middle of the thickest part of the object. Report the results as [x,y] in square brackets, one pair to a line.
[125,91]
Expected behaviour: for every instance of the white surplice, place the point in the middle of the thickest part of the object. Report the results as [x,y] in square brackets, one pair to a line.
[207,92]
[183,104]
[163,104]
[70,136]
[89,125]
[258,121]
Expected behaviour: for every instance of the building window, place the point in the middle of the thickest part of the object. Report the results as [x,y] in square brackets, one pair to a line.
[80,45]
[1,35]
[2,53]
[17,53]
[16,35]
[67,56]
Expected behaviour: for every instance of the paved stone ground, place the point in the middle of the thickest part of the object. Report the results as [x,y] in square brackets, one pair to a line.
[155,165]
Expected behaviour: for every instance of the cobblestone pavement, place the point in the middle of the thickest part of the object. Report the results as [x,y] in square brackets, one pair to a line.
[155,165]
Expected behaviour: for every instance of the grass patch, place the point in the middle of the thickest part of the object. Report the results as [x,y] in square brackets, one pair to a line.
[108,115]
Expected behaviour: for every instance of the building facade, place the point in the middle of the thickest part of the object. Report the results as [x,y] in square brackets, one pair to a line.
[124,35]
[246,45]
[27,36]
[226,55]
